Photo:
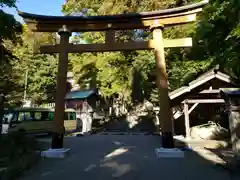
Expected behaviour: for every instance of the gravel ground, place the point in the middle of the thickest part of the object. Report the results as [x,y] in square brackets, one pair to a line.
[126,157]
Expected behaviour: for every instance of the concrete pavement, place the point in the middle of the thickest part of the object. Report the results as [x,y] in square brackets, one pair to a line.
[123,157]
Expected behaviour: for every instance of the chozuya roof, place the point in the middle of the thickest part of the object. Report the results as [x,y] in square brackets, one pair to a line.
[206,77]
[90,22]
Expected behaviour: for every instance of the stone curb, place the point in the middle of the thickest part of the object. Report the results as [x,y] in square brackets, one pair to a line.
[129,133]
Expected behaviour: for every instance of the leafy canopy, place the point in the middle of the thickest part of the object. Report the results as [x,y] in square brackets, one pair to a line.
[10,31]
[130,74]
[40,68]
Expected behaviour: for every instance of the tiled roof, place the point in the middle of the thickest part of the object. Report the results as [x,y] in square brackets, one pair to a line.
[81,94]
[199,81]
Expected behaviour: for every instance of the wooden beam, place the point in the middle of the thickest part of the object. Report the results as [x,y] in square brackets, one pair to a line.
[78,26]
[187,123]
[144,20]
[212,91]
[192,108]
[128,46]
[177,114]
[171,21]
[183,42]
[49,49]
[206,101]
[110,37]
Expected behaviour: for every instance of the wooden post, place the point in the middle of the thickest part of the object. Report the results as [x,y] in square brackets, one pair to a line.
[58,122]
[110,37]
[186,116]
[162,84]
[192,108]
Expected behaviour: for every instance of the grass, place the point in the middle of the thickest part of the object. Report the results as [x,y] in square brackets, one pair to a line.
[17,154]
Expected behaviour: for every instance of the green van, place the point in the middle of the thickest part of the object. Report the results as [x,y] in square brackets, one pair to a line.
[35,120]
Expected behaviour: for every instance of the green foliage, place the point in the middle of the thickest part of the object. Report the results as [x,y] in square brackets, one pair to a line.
[17,56]
[129,74]
[10,28]
[41,68]
[104,7]
[10,31]
[17,153]
[216,41]
[9,3]
[218,35]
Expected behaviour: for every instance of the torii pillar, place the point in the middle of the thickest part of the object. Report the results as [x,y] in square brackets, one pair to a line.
[166,121]
[61,90]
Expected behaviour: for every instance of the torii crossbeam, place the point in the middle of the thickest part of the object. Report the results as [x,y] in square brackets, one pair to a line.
[155,21]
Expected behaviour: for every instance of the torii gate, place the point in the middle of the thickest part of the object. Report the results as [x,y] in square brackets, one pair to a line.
[155,21]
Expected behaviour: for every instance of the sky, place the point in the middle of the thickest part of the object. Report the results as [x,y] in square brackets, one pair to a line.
[44,7]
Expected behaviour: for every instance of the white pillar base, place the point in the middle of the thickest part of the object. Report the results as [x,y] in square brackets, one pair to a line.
[55,153]
[169,153]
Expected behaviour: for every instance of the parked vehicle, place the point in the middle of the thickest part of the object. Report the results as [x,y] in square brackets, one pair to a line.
[35,120]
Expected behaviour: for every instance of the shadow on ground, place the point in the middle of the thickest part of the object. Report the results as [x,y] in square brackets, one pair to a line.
[142,124]
[125,157]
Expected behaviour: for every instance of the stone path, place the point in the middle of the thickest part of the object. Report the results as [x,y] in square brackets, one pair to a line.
[123,157]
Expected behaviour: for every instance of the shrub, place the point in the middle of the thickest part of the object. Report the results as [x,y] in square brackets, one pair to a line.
[18,153]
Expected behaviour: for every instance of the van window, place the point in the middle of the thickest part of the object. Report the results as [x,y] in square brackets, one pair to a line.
[51,116]
[7,117]
[26,116]
[71,116]
[38,116]
[45,116]
[41,116]
[67,116]
[20,116]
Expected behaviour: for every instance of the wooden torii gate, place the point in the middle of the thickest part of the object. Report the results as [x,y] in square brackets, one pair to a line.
[155,21]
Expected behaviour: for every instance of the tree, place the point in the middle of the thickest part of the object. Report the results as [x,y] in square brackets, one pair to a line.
[218,35]
[9,31]
[114,71]
[9,36]
[41,68]
[17,52]
[213,45]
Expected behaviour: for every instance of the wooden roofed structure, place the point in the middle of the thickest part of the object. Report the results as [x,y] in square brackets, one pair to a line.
[206,89]
[154,21]
[206,84]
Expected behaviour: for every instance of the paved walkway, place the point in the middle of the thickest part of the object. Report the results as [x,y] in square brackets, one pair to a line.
[122,157]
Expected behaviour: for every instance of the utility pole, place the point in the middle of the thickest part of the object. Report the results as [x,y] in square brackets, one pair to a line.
[25,87]
[2,100]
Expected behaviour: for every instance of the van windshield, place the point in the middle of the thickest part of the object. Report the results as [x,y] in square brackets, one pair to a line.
[7,117]
[67,116]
